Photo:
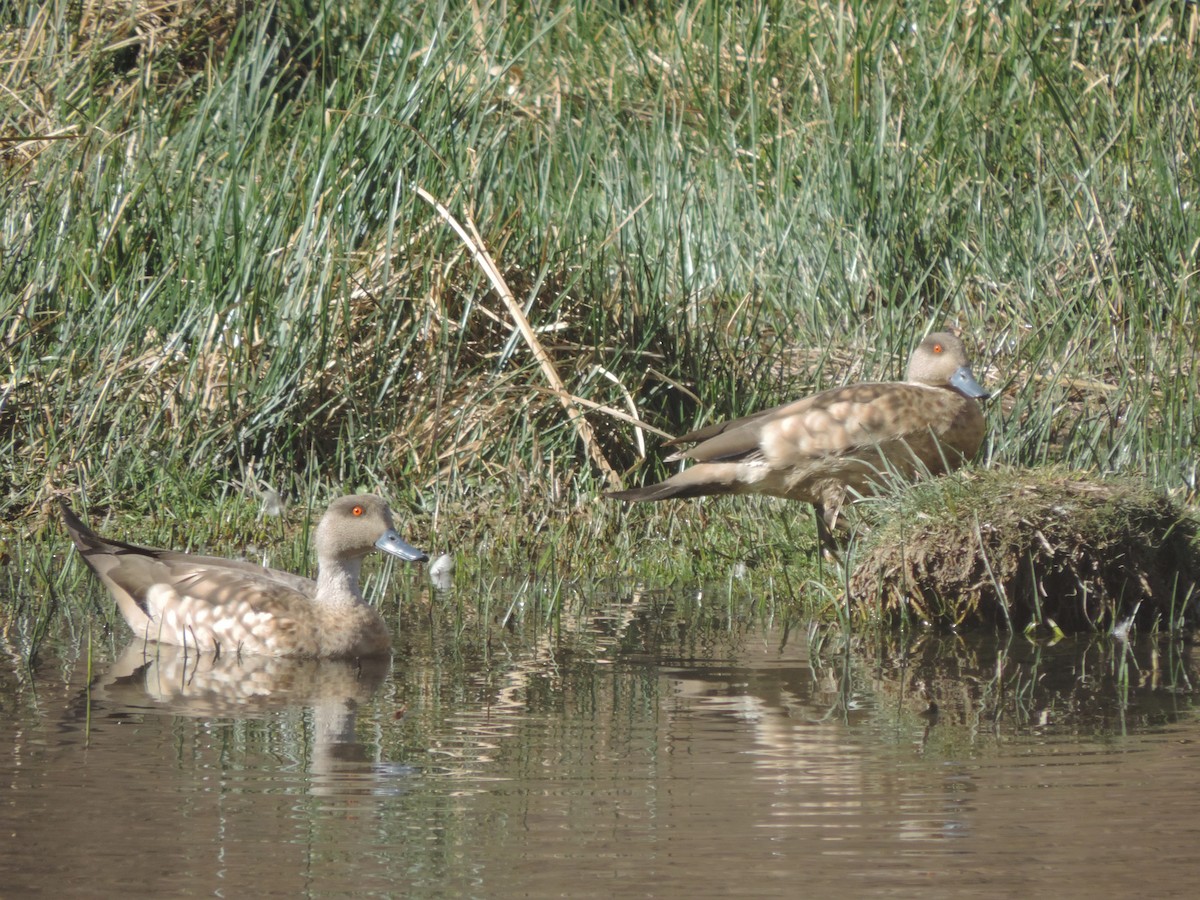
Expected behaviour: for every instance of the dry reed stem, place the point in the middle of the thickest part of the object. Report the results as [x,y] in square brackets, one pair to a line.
[570,403]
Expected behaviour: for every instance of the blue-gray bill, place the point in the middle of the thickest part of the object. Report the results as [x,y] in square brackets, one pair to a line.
[390,542]
[963,380]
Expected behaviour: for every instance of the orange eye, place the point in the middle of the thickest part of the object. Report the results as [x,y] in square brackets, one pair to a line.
[937,348]
[357,511]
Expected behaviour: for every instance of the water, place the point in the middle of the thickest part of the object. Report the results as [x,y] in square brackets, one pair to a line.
[644,748]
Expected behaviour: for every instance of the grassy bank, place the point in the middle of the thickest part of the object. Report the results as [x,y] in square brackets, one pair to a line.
[219,274]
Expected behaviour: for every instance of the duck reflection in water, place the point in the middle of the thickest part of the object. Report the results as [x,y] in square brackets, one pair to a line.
[156,678]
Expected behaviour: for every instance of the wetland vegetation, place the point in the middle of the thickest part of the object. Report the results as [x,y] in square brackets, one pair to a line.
[478,256]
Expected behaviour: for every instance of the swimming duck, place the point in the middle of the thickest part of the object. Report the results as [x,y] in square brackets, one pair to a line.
[225,605]
[843,440]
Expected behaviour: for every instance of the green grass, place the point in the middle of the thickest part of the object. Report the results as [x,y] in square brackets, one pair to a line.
[216,273]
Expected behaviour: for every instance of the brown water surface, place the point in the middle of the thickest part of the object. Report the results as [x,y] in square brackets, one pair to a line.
[643,748]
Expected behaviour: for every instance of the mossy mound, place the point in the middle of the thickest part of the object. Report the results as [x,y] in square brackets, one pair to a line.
[1028,546]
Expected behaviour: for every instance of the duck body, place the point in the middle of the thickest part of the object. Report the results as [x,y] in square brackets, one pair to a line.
[841,441]
[222,605]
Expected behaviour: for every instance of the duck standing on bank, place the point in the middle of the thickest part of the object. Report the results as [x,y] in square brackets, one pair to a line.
[839,441]
[230,606]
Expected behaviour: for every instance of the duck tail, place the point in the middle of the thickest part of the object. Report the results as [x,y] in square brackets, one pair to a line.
[88,542]
[83,536]
[704,480]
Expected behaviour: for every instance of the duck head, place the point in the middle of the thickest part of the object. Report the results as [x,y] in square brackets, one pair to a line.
[941,361]
[354,526]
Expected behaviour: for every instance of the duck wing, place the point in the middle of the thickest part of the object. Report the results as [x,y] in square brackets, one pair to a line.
[834,423]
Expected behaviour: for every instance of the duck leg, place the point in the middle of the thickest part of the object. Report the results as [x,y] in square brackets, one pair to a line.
[829,537]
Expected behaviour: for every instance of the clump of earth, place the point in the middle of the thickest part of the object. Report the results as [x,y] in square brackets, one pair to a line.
[1023,547]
